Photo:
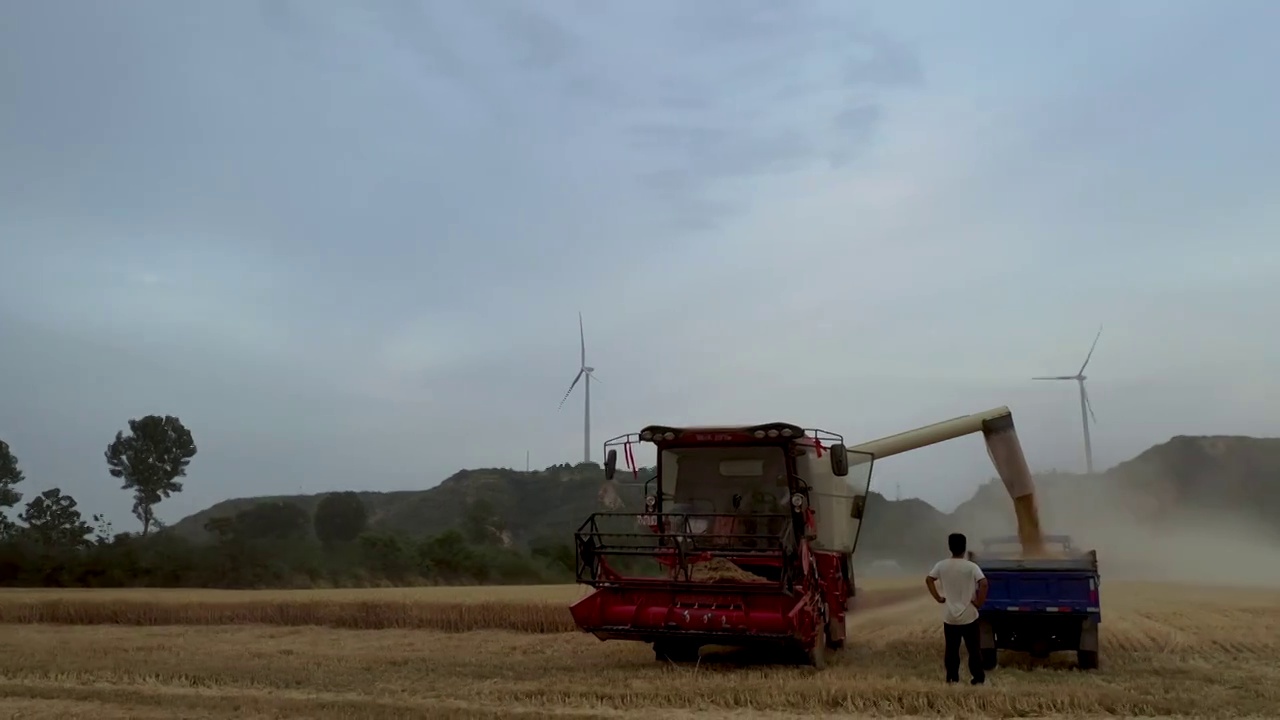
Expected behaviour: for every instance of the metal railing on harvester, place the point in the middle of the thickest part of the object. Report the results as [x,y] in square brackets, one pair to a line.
[621,549]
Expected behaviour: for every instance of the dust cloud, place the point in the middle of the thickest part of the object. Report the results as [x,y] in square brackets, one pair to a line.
[1136,535]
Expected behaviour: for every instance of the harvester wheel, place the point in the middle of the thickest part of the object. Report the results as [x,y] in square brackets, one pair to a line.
[832,642]
[818,653]
[1087,659]
[676,652]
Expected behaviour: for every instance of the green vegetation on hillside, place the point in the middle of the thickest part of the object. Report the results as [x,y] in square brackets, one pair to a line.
[499,525]
[465,531]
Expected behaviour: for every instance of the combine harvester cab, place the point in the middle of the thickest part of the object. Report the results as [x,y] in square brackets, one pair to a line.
[1040,605]
[746,539]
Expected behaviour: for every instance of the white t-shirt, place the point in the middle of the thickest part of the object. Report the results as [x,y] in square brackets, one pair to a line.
[957,581]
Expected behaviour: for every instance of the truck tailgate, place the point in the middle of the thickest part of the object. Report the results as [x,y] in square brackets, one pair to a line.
[1042,591]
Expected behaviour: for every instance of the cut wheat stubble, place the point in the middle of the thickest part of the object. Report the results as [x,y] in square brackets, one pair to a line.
[1169,652]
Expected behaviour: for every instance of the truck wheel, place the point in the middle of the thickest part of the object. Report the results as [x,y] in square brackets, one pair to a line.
[1087,649]
[989,659]
[677,652]
[1087,659]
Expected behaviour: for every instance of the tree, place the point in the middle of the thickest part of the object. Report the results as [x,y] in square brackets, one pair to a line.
[556,554]
[388,556]
[481,523]
[10,475]
[52,520]
[221,526]
[340,518]
[279,520]
[451,558]
[150,459]
[104,533]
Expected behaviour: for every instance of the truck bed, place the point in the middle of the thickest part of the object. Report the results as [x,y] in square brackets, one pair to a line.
[1085,562]
[1028,591]
[1057,585]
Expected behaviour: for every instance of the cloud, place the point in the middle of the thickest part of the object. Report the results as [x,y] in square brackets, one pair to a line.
[785,74]
[348,243]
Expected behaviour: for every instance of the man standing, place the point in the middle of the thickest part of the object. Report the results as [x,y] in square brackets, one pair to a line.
[964,589]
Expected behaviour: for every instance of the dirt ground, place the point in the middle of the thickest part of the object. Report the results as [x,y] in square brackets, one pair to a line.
[1167,650]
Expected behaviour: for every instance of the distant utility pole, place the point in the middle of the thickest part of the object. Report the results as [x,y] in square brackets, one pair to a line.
[898,486]
[526,461]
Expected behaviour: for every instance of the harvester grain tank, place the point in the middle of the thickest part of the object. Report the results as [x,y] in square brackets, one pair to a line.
[746,538]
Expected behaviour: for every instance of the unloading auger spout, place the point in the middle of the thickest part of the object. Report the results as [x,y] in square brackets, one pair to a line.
[996,426]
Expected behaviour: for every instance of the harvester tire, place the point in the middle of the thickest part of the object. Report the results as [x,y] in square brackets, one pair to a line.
[832,643]
[1087,659]
[989,659]
[676,652]
[818,653]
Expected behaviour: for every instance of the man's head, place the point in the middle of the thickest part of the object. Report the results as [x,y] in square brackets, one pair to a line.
[957,543]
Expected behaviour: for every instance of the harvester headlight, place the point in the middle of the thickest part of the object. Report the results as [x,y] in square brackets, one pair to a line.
[646,435]
[650,502]
[773,433]
[797,501]
[668,435]
[759,434]
[786,432]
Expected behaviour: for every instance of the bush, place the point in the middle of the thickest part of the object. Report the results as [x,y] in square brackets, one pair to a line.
[165,559]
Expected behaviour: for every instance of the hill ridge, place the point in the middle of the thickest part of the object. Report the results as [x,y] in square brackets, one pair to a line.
[1184,476]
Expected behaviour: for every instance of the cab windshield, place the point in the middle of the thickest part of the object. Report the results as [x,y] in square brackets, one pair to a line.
[725,480]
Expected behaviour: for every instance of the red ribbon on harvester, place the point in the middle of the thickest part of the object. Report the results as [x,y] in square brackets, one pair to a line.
[817,444]
[631,461]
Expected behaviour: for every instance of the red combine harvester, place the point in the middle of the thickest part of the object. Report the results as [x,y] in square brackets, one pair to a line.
[749,497]
[746,538]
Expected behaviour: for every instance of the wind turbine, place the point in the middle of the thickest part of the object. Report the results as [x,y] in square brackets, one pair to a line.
[583,372]
[1086,408]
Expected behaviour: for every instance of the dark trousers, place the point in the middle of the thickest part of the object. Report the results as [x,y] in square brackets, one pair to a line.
[951,655]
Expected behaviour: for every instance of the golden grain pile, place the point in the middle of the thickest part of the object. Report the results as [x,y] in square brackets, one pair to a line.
[721,570]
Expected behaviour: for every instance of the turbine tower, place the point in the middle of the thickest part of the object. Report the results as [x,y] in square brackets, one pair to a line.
[585,373]
[1086,407]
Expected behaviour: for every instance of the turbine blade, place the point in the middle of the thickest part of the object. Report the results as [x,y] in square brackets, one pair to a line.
[593,377]
[582,339]
[1088,403]
[572,385]
[1091,347]
[1056,377]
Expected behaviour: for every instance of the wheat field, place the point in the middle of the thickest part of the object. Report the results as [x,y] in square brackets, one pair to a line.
[1168,650]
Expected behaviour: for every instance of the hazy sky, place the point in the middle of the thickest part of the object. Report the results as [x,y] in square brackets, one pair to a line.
[346,243]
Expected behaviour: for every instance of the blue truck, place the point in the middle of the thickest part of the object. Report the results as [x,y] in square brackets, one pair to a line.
[1039,605]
